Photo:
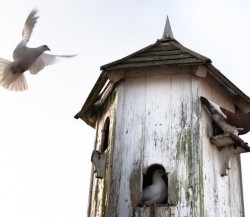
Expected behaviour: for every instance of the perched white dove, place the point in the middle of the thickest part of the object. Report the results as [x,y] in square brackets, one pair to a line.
[231,123]
[156,193]
[25,58]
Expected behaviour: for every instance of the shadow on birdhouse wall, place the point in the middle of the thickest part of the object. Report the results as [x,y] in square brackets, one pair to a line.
[105,135]
[98,158]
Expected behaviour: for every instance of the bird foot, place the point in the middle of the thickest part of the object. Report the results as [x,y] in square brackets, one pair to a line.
[242,143]
[239,142]
[245,143]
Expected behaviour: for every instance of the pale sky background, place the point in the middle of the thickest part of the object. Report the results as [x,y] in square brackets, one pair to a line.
[44,152]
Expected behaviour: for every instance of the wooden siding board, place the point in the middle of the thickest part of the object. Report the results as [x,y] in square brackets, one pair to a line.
[99,198]
[127,151]
[235,188]
[96,196]
[100,187]
[157,124]
[196,151]
[182,150]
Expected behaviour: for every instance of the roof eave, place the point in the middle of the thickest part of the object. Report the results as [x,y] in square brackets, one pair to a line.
[93,96]
[95,101]
[227,83]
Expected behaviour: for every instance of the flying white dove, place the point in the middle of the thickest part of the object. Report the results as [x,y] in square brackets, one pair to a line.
[25,58]
[156,193]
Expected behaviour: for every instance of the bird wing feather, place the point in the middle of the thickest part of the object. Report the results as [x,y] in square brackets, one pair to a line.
[29,25]
[26,33]
[45,60]
[42,61]
[155,200]
[150,192]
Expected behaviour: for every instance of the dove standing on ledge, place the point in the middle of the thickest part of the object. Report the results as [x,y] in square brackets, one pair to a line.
[231,123]
[156,193]
[25,58]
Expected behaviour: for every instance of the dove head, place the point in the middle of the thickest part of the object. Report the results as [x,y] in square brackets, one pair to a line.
[158,174]
[44,48]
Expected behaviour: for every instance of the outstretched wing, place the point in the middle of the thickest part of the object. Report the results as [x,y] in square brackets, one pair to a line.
[29,25]
[27,30]
[45,60]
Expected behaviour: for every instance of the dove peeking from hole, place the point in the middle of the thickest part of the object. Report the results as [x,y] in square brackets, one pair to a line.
[156,193]
[25,58]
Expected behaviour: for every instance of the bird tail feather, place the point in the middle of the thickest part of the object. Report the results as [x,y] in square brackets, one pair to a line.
[8,79]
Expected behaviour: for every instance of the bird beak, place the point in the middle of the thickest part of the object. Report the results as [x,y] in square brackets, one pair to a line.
[49,49]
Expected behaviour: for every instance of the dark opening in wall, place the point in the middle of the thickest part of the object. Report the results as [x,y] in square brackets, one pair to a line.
[216,129]
[105,135]
[155,186]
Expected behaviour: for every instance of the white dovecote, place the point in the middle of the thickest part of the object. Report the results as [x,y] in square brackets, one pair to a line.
[147,114]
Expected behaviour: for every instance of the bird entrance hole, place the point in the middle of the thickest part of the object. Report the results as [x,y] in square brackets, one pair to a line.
[105,135]
[216,129]
[149,180]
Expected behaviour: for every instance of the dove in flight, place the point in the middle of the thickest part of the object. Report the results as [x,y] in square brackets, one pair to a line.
[25,58]
[156,193]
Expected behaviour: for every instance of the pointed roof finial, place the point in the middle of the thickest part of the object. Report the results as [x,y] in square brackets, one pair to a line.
[167,31]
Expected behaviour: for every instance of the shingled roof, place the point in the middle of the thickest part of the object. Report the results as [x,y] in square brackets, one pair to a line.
[166,51]
[162,53]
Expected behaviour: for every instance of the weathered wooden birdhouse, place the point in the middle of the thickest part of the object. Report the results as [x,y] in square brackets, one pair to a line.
[147,113]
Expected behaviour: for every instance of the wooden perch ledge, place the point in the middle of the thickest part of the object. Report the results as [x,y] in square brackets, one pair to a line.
[228,147]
